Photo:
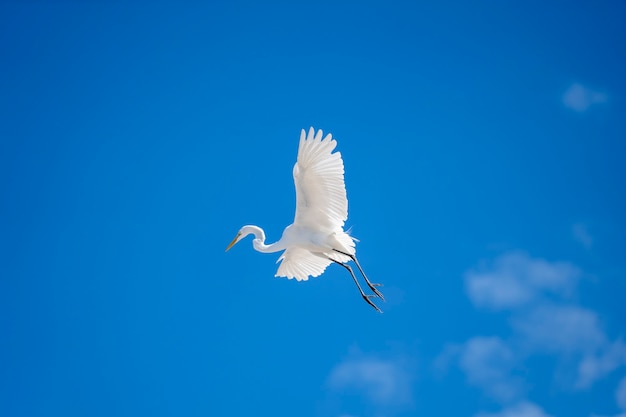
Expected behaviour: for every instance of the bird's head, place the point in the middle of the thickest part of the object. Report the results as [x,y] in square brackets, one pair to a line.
[245,231]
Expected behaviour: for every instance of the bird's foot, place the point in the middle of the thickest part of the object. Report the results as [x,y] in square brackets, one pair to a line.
[368,301]
[373,288]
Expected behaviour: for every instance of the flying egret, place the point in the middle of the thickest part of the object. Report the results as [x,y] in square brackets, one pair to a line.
[316,237]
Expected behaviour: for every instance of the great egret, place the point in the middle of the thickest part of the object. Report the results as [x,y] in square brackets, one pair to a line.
[316,238]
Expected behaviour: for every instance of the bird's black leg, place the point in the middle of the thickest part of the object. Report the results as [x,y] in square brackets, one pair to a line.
[369,284]
[365,296]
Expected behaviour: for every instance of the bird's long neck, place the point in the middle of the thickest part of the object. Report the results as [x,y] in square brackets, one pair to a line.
[259,240]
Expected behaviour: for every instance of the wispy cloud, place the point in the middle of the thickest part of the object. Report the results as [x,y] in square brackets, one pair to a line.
[545,319]
[582,236]
[515,280]
[522,409]
[596,365]
[560,329]
[384,382]
[487,363]
[580,98]
[620,394]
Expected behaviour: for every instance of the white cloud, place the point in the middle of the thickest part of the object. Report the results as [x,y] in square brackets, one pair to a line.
[523,409]
[384,382]
[545,320]
[497,291]
[515,280]
[579,98]
[487,363]
[582,236]
[597,365]
[560,329]
[620,394]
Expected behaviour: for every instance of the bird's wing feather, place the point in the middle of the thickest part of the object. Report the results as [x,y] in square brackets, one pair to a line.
[321,201]
[299,263]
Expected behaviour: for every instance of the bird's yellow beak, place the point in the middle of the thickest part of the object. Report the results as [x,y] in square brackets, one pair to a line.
[235,240]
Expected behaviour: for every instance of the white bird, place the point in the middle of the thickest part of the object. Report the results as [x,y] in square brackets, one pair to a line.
[316,237]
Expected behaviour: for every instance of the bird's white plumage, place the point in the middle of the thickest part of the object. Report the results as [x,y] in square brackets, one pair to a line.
[321,209]
[321,201]
[300,263]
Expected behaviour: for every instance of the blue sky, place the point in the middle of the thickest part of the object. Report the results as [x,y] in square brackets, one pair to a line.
[485,155]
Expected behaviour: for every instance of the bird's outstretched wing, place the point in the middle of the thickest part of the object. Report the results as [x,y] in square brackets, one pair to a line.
[299,263]
[321,202]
